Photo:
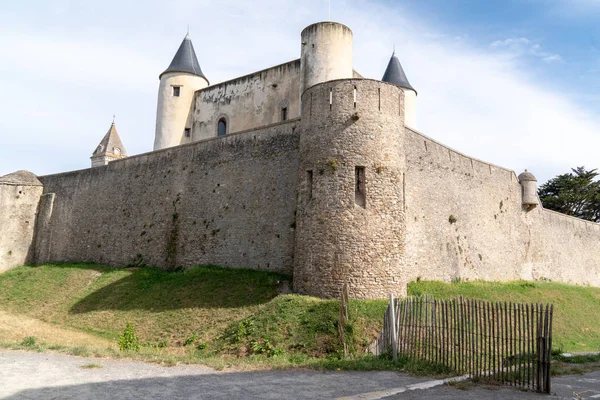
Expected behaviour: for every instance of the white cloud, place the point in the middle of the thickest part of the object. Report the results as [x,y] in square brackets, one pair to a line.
[552,58]
[59,95]
[522,46]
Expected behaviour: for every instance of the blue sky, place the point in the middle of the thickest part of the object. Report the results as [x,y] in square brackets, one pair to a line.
[567,33]
[514,82]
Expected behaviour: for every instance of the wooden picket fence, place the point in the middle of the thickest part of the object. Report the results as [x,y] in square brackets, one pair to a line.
[507,343]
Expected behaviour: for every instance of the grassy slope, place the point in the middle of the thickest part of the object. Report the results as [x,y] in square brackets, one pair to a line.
[212,312]
[576,308]
[163,306]
[202,312]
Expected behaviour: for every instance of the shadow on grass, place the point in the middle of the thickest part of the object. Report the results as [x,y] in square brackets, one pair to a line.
[158,290]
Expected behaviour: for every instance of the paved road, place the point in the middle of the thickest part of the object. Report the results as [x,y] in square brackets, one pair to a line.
[25,375]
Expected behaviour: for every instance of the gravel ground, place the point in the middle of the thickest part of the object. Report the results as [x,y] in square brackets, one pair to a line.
[27,375]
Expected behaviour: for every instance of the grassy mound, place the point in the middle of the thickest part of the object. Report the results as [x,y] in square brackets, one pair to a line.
[303,325]
[200,313]
[165,307]
[224,316]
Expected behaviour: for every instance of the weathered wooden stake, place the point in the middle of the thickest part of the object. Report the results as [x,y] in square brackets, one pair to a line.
[393,326]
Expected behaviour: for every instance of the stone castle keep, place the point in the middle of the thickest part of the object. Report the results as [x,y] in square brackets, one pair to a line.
[305,168]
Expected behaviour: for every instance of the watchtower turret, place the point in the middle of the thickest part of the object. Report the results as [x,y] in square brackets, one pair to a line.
[529,189]
[178,83]
[395,75]
[326,54]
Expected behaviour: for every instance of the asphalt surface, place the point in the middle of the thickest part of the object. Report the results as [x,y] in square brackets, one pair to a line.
[26,375]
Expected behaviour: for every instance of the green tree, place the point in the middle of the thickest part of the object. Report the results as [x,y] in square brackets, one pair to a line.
[576,193]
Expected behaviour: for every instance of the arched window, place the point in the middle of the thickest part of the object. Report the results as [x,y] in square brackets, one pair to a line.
[222,127]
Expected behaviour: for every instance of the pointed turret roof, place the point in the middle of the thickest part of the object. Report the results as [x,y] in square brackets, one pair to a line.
[185,59]
[395,75]
[111,145]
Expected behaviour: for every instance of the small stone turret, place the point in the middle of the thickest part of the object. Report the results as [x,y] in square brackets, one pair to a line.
[395,75]
[528,189]
[19,198]
[326,54]
[110,148]
[178,83]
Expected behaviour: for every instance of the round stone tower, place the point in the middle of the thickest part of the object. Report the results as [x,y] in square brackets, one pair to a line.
[350,215]
[326,54]
[529,189]
[178,83]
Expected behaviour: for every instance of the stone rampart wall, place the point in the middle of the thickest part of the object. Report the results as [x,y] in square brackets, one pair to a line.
[562,248]
[228,201]
[465,220]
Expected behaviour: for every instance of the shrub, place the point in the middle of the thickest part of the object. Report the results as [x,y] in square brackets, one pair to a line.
[128,340]
[29,341]
[190,339]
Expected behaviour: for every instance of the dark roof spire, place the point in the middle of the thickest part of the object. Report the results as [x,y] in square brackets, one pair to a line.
[395,75]
[185,59]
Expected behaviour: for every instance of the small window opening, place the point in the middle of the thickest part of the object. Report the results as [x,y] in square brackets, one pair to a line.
[176,90]
[309,183]
[187,132]
[222,127]
[354,96]
[284,114]
[330,99]
[359,193]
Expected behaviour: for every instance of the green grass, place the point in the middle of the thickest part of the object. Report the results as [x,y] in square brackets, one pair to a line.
[302,325]
[226,317]
[207,314]
[576,327]
[91,366]
[164,306]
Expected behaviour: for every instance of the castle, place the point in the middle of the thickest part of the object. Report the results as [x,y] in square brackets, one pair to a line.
[305,168]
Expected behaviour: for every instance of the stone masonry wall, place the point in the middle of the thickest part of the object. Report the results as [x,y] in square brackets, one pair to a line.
[227,201]
[348,124]
[18,205]
[464,219]
[248,102]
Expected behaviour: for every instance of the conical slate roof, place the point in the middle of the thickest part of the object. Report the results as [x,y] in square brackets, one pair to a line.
[111,145]
[395,75]
[185,60]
